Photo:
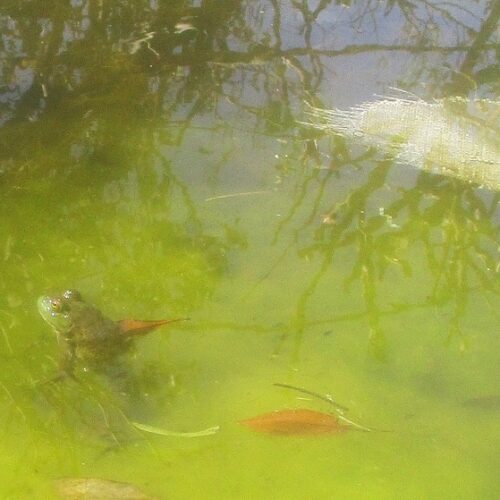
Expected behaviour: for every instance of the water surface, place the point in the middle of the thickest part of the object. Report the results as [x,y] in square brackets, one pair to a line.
[153,157]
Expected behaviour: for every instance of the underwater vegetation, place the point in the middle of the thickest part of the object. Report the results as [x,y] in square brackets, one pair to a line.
[456,137]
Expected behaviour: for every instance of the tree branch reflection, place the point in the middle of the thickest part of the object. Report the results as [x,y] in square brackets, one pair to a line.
[114,83]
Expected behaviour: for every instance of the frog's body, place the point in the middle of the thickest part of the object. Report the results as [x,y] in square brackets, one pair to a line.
[85,334]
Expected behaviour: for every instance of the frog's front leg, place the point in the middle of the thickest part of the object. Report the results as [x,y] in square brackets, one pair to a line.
[67,357]
[66,363]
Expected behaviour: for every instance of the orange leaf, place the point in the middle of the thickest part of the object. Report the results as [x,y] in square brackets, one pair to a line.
[140,327]
[295,422]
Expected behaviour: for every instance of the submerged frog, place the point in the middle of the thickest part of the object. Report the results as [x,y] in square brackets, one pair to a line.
[86,335]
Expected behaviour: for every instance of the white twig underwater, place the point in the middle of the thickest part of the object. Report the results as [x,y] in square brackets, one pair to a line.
[339,409]
[164,432]
[235,195]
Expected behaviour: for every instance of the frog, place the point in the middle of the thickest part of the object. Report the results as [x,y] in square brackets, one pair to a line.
[86,335]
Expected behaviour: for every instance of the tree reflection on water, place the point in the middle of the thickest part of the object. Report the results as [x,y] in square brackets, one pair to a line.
[91,90]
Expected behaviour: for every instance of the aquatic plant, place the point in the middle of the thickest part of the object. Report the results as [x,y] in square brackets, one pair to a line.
[456,137]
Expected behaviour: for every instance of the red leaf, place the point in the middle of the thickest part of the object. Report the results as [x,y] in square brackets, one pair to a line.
[295,422]
[139,327]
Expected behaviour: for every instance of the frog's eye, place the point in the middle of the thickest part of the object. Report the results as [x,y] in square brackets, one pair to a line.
[56,305]
[59,306]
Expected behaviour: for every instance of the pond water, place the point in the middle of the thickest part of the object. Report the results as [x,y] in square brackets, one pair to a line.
[154,156]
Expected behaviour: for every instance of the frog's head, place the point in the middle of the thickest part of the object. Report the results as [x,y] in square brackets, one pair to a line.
[56,309]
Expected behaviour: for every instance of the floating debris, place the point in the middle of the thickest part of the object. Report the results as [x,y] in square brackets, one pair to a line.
[456,137]
[296,422]
[132,327]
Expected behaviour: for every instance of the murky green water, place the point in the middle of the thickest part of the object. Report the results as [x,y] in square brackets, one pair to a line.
[152,158]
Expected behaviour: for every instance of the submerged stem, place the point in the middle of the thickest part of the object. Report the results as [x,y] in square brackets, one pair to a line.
[165,432]
[326,398]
